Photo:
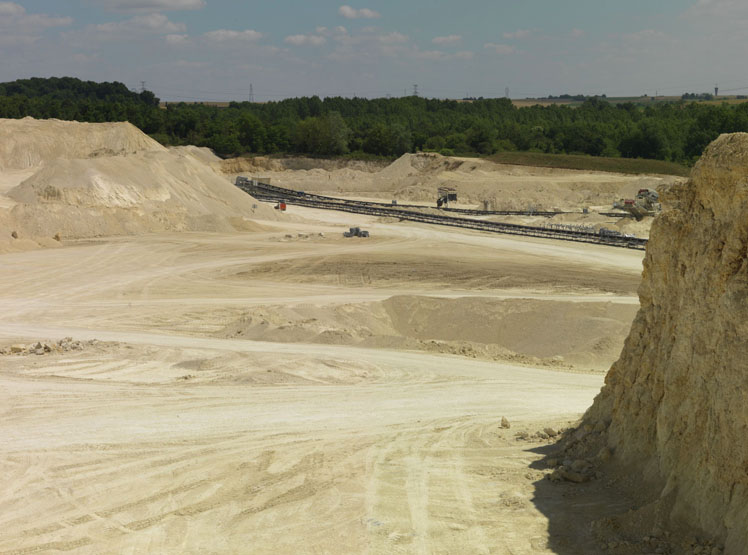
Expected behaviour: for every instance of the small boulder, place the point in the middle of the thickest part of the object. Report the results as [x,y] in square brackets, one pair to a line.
[505,423]
[580,465]
[571,476]
[604,455]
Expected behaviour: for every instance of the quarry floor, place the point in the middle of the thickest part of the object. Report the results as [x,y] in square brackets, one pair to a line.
[188,428]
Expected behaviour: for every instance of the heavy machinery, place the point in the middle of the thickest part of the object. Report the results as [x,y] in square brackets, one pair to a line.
[646,203]
[446,195]
[356,232]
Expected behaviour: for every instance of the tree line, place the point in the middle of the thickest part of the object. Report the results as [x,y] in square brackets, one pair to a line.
[676,132]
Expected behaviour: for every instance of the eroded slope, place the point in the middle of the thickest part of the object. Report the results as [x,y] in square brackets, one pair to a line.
[676,403]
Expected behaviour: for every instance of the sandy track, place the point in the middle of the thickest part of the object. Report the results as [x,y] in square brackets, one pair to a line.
[181,442]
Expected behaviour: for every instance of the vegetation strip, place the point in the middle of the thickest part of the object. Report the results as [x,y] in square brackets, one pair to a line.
[674,132]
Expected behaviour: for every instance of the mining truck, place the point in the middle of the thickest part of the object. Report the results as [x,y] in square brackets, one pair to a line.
[356,232]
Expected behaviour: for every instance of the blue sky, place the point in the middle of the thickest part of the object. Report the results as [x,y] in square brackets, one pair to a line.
[214,49]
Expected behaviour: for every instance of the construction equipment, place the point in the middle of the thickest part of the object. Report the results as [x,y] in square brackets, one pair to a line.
[646,203]
[356,232]
[446,195]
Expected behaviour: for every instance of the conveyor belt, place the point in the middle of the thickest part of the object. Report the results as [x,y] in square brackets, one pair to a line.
[271,193]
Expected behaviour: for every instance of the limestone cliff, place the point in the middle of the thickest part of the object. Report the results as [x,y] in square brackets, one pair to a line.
[676,402]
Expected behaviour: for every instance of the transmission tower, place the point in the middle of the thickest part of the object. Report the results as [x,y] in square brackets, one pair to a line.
[506,92]
[415,90]
[142,86]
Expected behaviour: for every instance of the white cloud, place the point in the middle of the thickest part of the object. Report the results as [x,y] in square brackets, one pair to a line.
[449,39]
[439,56]
[226,35]
[393,38]
[352,13]
[176,39]
[15,16]
[153,5]
[10,9]
[576,33]
[502,49]
[335,32]
[150,23]
[518,34]
[305,40]
[17,27]
[464,55]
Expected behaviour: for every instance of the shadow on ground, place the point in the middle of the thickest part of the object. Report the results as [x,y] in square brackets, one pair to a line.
[572,509]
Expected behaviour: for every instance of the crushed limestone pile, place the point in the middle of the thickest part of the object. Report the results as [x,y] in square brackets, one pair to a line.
[674,408]
[85,180]
[28,142]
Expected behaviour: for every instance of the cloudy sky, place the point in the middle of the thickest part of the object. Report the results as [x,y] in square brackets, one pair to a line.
[214,49]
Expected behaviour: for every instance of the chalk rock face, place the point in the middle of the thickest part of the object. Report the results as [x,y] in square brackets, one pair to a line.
[676,402]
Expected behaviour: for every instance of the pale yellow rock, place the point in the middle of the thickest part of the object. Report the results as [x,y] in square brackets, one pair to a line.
[676,398]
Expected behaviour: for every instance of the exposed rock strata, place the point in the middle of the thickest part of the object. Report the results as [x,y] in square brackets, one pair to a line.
[676,402]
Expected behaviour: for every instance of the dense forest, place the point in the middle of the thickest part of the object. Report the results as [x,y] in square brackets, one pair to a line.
[676,131]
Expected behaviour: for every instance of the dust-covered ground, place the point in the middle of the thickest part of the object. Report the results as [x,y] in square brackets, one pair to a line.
[292,391]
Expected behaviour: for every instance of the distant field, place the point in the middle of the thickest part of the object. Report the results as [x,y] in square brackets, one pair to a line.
[164,104]
[591,163]
[641,100]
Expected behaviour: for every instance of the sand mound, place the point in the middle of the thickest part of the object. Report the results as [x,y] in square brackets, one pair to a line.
[110,179]
[479,182]
[589,334]
[29,142]
[675,404]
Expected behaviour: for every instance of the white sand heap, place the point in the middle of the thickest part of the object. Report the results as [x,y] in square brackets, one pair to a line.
[675,405]
[28,142]
[83,180]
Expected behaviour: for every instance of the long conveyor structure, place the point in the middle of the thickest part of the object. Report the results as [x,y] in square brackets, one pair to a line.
[271,193]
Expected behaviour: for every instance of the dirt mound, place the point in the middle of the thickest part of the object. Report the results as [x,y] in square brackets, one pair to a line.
[261,164]
[29,142]
[437,269]
[674,407]
[585,334]
[111,179]
[479,183]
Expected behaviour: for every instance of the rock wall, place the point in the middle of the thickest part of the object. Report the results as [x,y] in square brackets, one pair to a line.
[676,402]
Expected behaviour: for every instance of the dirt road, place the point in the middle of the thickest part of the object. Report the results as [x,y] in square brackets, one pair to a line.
[170,435]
